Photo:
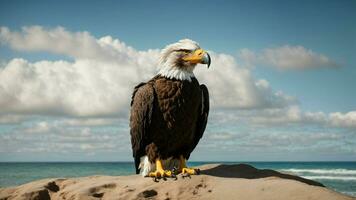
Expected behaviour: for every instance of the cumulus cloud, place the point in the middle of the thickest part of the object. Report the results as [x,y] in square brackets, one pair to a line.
[87,122]
[222,136]
[339,119]
[60,41]
[281,142]
[82,88]
[233,86]
[287,57]
[11,119]
[51,136]
[40,127]
[294,115]
[100,80]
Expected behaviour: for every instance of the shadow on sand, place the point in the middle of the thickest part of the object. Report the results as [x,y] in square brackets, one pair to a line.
[249,172]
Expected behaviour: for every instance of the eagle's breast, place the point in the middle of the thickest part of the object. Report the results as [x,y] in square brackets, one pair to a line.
[177,110]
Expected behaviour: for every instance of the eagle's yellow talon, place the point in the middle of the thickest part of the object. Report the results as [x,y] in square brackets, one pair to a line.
[185,170]
[160,172]
[189,171]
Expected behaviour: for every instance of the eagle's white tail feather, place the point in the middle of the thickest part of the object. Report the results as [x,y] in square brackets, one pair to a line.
[146,166]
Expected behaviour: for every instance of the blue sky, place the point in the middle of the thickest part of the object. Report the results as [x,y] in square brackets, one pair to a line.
[300,56]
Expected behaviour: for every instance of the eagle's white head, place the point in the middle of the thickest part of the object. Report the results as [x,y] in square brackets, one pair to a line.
[178,60]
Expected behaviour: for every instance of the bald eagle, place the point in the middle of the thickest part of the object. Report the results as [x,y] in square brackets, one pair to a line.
[169,113]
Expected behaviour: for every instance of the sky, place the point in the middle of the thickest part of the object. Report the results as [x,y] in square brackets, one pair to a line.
[281,81]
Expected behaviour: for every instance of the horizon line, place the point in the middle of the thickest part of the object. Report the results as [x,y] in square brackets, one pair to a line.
[214,162]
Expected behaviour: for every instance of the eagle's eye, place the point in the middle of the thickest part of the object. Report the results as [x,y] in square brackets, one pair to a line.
[186,51]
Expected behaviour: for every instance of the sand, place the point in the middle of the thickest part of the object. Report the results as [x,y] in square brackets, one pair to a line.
[215,182]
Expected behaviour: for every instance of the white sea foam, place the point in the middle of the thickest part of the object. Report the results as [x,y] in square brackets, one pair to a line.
[341,178]
[322,171]
[349,193]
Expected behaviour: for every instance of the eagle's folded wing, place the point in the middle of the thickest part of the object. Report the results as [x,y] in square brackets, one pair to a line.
[203,116]
[140,120]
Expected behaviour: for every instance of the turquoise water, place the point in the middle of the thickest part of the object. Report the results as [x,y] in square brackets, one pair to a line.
[339,176]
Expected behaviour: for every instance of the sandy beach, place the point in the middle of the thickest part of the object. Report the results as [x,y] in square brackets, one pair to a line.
[215,182]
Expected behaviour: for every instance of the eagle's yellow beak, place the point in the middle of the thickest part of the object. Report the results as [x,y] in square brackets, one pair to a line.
[198,56]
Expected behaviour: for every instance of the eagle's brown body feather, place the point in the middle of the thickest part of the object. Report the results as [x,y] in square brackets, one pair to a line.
[168,118]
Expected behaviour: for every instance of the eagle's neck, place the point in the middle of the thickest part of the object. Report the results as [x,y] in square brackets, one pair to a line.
[176,73]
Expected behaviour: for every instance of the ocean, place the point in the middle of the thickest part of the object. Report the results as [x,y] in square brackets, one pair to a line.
[339,176]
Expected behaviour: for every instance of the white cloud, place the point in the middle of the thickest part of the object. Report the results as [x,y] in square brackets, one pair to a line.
[233,86]
[87,121]
[11,119]
[96,83]
[222,136]
[293,114]
[100,80]
[60,41]
[238,142]
[82,88]
[287,57]
[343,119]
[40,127]
[51,136]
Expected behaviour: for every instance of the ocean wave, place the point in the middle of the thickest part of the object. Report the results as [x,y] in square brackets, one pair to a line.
[322,171]
[349,193]
[341,178]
